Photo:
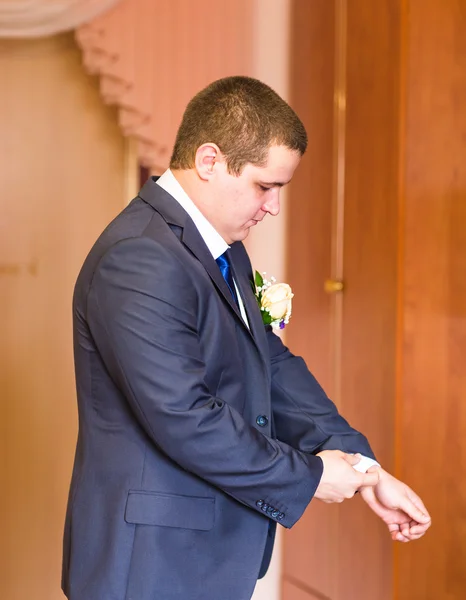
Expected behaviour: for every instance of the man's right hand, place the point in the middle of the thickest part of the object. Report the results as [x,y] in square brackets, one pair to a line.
[339,480]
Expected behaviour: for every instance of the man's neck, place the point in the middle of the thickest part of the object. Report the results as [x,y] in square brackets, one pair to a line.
[195,188]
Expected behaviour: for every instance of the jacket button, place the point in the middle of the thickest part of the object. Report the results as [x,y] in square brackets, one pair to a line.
[275,514]
[270,510]
[264,507]
[259,503]
[262,420]
[281,516]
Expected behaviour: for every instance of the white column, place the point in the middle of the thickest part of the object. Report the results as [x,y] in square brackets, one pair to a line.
[267,244]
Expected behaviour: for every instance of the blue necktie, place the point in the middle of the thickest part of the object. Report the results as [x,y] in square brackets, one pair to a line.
[225,269]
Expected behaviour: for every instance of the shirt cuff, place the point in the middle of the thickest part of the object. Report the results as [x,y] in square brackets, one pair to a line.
[365,463]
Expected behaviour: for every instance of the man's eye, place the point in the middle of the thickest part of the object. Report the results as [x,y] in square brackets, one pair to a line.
[263,188]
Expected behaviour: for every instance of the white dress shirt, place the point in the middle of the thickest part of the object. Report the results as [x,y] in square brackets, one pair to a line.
[213,240]
[217,246]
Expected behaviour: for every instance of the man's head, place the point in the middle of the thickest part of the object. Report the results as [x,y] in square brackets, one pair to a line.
[237,145]
[244,118]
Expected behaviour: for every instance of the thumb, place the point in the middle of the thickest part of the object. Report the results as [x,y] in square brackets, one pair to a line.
[373,469]
[351,459]
[370,478]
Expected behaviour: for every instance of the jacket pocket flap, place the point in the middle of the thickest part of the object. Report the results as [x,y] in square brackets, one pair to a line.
[170,510]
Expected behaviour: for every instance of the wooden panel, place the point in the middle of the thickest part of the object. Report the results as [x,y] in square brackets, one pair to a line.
[310,192]
[344,552]
[369,331]
[62,180]
[309,546]
[432,408]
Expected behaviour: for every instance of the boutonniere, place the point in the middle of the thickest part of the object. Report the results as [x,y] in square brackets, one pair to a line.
[274,300]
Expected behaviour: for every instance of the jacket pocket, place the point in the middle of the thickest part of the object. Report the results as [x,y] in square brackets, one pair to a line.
[170,510]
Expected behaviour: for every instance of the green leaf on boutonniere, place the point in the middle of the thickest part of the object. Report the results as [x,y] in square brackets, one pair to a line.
[256,293]
[266,318]
[259,279]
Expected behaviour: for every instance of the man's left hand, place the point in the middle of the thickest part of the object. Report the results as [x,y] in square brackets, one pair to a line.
[398,506]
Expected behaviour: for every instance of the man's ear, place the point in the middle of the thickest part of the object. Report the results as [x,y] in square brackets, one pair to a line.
[207,156]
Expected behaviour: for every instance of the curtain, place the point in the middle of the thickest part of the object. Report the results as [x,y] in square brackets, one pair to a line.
[39,18]
[152,56]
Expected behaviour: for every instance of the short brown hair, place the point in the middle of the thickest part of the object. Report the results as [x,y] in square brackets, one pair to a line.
[244,117]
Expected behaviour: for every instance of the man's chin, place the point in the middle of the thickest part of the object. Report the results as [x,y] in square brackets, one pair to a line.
[241,235]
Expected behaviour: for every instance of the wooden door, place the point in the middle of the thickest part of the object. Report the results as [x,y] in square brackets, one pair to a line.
[343,227]
[390,347]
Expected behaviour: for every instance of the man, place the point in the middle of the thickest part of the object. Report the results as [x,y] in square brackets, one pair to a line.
[198,430]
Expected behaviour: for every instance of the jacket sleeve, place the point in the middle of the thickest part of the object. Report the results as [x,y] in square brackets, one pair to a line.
[304,417]
[142,314]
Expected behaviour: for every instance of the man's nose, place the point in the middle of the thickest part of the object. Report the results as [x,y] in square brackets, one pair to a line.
[272,206]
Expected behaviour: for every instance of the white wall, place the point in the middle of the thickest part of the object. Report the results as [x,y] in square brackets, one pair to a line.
[266,244]
[61,172]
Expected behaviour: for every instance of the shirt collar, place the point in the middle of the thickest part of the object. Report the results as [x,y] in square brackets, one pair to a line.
[213,240]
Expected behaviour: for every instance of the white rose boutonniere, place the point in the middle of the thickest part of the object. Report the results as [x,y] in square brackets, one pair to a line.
[274,300]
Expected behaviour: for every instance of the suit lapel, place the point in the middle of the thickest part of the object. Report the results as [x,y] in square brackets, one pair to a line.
[243,277]
[174,214]
[192,240]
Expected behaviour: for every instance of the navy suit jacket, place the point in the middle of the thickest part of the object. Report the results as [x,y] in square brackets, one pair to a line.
[197,434]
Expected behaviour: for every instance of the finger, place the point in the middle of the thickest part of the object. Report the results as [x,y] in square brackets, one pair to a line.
[414,532]
[413,538]
[351,459]
[419,529]
[369,478]
[405,529]
[334,453]
[417,502]
[409,535]
[373,469]
[416,524]
[398,537]
[407,506]
[395,533]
